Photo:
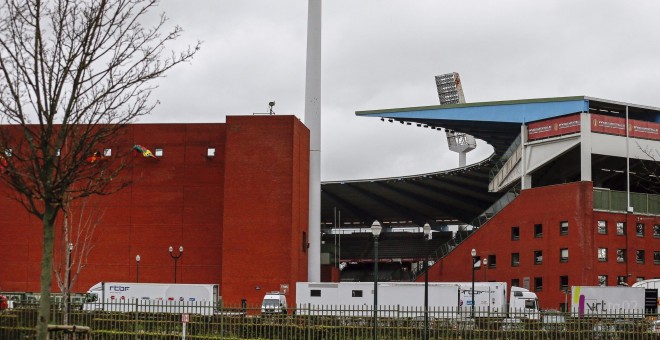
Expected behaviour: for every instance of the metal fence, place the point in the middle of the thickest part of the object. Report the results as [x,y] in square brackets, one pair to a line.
[317,322]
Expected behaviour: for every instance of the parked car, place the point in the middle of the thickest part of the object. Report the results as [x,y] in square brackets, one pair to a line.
[512,324]
[655,327]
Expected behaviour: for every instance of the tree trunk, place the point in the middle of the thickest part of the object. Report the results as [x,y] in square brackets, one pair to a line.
[48,220]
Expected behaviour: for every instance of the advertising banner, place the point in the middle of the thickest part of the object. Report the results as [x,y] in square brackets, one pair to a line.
[617,126]
[553,127]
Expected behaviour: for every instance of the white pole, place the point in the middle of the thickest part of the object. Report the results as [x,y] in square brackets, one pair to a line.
[313,123]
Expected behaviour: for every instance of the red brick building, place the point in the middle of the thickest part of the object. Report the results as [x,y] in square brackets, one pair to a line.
[233,195]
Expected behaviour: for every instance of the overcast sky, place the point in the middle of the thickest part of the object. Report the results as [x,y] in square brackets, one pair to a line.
[384,54]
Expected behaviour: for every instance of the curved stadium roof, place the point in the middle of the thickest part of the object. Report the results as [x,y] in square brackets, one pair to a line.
[457,195]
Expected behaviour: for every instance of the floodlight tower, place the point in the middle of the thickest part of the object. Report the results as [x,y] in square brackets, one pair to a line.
[450,91]
[313,123]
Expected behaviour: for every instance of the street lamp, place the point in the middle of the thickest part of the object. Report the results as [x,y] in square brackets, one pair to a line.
[474,255]
[69,250]
[137,268]
[485,262]
[376,228]
[176,258]
[427,234]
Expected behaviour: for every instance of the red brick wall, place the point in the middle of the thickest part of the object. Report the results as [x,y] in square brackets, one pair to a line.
[547,206]
[266,209]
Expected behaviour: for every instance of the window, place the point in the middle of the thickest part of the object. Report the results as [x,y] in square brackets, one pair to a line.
[538,230]
[515,259]
[356,293]
[304,242]
[656,231]
[602,280]
[620,228]
[538,256]
[640,255]
[562,307]
[515,233]
[210,152]
[656,257]
[602,254]
[515,282]
[563,255]
[602,227]
[620,255]
[563,283]
[492,261]
[315,292]
[476,261]
[107,152]
[538,284]
[639,229]
[621,281]
[563,228]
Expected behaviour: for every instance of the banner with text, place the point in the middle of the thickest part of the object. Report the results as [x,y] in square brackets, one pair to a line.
[553,127]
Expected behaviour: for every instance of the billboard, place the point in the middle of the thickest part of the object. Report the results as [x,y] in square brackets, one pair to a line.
[553,127]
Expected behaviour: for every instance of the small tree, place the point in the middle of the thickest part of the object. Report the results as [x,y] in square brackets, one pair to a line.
[73,74]
[78,228]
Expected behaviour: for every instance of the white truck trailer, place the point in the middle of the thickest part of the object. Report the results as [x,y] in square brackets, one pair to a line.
[152,298]
[608,302]
[406,299]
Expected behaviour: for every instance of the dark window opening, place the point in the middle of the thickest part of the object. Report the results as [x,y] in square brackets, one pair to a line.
[538,230]
[515,233]
[315,292]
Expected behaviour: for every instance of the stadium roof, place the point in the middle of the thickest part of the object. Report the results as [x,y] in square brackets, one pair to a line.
[457,195]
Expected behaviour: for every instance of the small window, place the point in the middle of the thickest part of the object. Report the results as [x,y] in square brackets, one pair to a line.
[562,307]
[356,293]
[538,284]
[620,228]
[538,257]
[538,230]
[563,228]
[515,259]
[621,281]
[210,152]
[304,242]
[492,261]
[620,255]
[515,282]
[315,292]
[656,257]
[515,233]
[602,280]
[563,255]
[602,227]
[639,229]
[602,254]
[107,152]
[640,255]
[656,231]
[563,283]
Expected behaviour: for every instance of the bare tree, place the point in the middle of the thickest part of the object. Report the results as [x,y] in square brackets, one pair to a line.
[73,74]
[78,228]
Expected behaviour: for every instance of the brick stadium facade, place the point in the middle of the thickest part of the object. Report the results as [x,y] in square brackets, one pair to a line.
[241,215]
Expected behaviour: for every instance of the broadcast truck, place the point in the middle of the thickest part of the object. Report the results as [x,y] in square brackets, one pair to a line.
[153,298]
[445,300]
[608,301]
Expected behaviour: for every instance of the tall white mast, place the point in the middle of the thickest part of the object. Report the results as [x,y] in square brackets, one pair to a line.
[313,123]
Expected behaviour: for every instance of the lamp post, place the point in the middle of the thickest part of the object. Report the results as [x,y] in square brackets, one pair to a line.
[69,250]
[427,234]
[474,255]
[376,228]
[485,262]
[137,268]
[176,258]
